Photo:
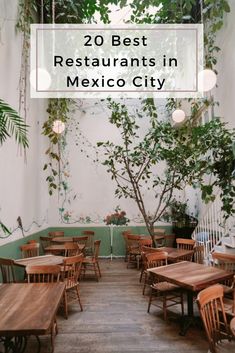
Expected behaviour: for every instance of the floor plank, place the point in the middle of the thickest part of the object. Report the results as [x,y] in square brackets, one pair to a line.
[115,320]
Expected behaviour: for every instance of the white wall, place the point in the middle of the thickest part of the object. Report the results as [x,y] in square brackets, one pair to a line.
[225,92]
[22,189]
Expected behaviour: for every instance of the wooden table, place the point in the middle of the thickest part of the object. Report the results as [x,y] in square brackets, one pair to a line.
[27,309]
[175,254]
[232,326]
[40,260]
[55,248]
[192,277]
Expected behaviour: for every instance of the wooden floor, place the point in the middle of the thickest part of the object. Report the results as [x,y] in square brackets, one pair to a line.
[115,320]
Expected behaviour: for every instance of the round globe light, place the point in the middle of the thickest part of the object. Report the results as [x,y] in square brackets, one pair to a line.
[44,79]
[206,80]
[178,115]
[58,126]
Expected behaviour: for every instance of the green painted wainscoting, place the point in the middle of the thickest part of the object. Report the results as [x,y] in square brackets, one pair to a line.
[11,249]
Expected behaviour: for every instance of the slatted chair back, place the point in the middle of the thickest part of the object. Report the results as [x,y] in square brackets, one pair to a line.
[90,242]
[96,249]
[198,255]
[211,307]
[186,244]
[32,241]
[144,251]
[45,242]
[145,242]
[227,263]
[56,234]
[43,273]
[156,259]
[81,240]
[7,270]
[71,249]
[30,250]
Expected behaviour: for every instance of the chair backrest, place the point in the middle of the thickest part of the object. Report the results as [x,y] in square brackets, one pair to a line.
[159,231]
[32,241]
[7,270]
[90,241]
[156,259]
[81,240]
[71,249]
[224,261]
[186,244]
[211,307]
[43,273]
[56,234]
[96,248]
[29,250]
[72,269]
[45,241]
[198,255]
[145,243]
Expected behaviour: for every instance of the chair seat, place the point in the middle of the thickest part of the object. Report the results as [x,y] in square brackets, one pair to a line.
[164,286]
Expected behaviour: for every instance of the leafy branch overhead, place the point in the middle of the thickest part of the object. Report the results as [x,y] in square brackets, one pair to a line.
[12,125]
[166,159]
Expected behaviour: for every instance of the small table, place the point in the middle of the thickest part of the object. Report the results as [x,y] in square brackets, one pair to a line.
[55,248]
[175,254]
[40,260]
[192,277]
[27,309]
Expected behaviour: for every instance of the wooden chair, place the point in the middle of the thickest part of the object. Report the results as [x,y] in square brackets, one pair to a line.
[71,249]
[124,235]
[145,250]
[92,262]
[56,234]
[89,250]
[45,242]
[70,276]
[82,240]
[185,244]
[198,255]
[29,250]
[227,263]
[163,294]
[133,250]
[211,307]
[45,274]
[159,236]
[153,259]
[7,270]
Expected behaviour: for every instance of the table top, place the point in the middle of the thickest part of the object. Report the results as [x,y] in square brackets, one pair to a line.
[40,260]
[232,326]
[190,275]
[174,253]
[28,308]
[63,239]
[61,247]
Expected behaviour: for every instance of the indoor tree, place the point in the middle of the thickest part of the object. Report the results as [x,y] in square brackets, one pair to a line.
[168,158]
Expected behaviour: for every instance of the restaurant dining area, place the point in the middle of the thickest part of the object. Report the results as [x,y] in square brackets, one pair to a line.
[117,230]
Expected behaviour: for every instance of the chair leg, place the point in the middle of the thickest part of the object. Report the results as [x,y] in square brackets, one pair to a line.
[52,337]
[96,273]
[79,300]
[164,307]
[65,305]
[98,266]
[182,304]
[150,300]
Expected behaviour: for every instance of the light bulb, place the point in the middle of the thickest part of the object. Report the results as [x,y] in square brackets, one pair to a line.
[178,115]
[58,126]
[44,79]
[206,80]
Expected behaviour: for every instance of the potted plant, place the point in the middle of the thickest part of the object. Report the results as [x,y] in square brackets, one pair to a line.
[183,223]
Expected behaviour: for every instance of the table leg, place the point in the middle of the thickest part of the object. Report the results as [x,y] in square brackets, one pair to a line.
[190,319]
